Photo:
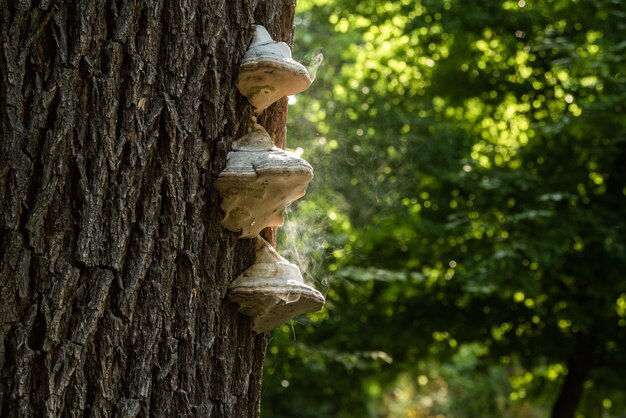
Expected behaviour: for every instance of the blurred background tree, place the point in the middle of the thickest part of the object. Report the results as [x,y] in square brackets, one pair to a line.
[468,215]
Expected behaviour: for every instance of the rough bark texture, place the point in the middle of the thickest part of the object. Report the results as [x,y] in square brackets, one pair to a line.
[115,118]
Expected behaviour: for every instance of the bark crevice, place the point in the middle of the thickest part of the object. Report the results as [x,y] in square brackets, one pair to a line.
[115,118]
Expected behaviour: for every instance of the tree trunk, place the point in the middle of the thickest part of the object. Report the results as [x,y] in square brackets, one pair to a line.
[115,119]
[579,364]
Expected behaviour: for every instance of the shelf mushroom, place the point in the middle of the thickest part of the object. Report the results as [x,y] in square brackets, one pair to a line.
[272,292]
[268,72]
[260,180]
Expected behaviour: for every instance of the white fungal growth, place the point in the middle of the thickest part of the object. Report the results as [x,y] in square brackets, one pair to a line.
[268,72]
[272,292]
[259,182]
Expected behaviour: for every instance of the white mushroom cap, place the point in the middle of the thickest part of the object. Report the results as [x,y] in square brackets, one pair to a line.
[272,290]
[268,72]
[259,182]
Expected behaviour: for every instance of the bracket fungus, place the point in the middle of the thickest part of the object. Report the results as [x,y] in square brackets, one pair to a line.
[272,290]
[268,72]
[260,180]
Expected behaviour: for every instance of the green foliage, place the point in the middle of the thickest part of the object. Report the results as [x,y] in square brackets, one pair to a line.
[470,194]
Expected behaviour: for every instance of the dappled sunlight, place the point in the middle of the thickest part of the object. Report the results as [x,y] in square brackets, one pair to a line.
[469,189]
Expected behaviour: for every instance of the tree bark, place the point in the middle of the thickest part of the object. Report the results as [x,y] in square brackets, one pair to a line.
[115,119]
[579,364]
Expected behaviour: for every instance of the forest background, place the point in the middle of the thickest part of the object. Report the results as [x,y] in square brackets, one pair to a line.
[467,220]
